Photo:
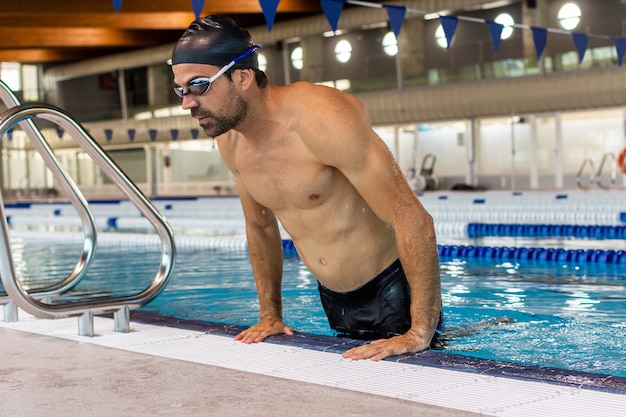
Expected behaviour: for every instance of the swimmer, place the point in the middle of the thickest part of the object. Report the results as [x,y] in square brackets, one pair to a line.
[307,156]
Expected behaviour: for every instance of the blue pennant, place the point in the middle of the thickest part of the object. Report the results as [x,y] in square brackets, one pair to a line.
[131,134]
[153,134]
[540,37]
[449,23]
[197,5]
[332,10]
[174,134]
[620,47]
[108,134]
[118,5]
[495,30]
[396,17]
[581,41]
[269,11]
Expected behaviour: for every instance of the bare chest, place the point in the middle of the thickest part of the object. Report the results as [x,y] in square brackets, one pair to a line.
[284,175]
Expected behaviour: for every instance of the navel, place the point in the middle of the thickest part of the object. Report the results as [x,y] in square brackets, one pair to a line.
[323,261]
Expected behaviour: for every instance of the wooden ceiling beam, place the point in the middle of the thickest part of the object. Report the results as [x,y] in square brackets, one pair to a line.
[35,7]
[37,56]
[15,38]
[152,21]
[69,30]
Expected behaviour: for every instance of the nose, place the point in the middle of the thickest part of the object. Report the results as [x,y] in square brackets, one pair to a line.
[189,102]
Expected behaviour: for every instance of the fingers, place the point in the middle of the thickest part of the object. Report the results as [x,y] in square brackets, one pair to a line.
[260,332]
[251,336]
[382,348]
[288,330]
[374,351]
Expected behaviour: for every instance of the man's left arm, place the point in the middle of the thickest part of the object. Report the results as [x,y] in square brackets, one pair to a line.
[366,161]
[386,191]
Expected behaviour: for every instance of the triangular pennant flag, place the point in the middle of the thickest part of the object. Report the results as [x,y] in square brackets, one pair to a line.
[269,8]
[174,133]
[620,47]
[131,134]
[396,17]
[540,37]
[153,134]
[197,5]
[194,133]
[10,134]
[495,30]
[332,10]
[581,41]
[108,133]
[449,23]
[60,132]
[118,5]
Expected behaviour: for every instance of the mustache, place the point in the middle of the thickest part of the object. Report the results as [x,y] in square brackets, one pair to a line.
[198,112]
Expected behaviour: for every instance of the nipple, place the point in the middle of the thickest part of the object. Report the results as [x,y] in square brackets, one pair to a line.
[314,196]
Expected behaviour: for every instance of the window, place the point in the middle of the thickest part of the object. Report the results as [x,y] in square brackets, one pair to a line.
[440,37]
[507,21]
[10,72]
[21,77]
[390,44]
[569,16]
[262,62]
[297,58]
[343,51]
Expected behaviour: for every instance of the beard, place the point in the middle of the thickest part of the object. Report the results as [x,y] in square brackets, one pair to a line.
[218,124]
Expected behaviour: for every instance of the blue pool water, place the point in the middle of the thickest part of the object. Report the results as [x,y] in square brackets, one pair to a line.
[570,316]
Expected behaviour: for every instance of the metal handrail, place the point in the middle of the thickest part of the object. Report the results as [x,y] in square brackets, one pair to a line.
[75,196]
[586,161]
[85,308]
[613,171]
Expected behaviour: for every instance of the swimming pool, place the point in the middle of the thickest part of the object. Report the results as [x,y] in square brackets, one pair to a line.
[557,279]
[569,317]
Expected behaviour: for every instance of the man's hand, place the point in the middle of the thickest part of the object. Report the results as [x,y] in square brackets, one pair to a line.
[381,348]
[268,326]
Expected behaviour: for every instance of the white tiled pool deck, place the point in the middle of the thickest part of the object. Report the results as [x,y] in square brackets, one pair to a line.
[49,370]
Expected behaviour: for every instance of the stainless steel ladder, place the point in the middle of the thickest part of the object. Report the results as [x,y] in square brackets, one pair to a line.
[596,177]
[36,302]
[77,200]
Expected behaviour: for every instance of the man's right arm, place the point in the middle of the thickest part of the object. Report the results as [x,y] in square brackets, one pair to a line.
[265,252]
[266,257]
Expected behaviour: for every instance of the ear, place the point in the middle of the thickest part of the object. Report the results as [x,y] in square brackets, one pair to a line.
[246,78]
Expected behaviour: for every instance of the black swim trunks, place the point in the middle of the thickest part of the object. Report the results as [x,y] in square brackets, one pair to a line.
[378,309]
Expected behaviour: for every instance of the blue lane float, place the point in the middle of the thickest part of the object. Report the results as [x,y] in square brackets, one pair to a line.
[477,230]
[289,248]
[533,254]
[516,253]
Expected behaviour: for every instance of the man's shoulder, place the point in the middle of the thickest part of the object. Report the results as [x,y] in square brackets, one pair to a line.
[306,88]
[315,96]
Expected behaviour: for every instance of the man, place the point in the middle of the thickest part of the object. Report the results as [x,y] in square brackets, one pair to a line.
[307,155]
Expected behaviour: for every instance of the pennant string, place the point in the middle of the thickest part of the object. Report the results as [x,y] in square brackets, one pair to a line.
[477,20]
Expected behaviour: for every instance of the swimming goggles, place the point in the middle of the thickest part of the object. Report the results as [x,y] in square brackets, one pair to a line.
[199,86]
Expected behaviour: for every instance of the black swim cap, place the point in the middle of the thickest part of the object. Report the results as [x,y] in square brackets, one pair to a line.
[215,40]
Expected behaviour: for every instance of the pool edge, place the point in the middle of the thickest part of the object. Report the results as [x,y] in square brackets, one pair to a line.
[432,358]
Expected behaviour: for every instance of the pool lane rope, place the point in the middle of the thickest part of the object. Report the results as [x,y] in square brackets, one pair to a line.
[516,253]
